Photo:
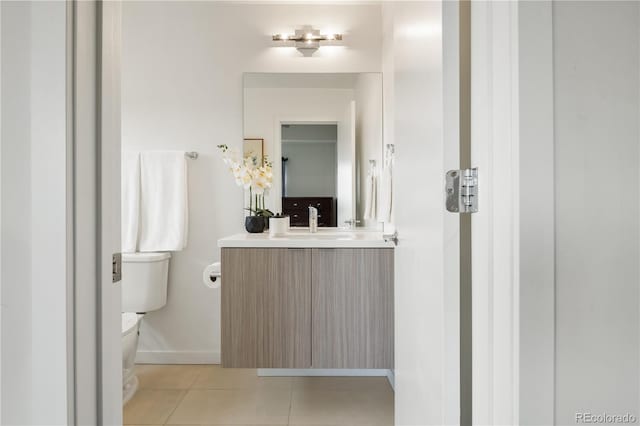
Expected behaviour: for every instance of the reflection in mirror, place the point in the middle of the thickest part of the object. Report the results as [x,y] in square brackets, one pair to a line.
[323,133]
[309,170]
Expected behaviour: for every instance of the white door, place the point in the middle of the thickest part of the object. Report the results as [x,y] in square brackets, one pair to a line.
[422,70]
[346,155]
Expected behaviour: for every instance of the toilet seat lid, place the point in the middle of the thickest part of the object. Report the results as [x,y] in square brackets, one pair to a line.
[129,321]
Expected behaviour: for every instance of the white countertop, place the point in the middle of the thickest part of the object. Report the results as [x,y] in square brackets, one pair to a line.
[302,238]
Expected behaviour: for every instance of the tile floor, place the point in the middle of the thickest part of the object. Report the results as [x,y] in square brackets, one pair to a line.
[211,395]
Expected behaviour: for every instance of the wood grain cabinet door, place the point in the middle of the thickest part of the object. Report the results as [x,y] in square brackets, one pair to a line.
[266,308]
[352,293]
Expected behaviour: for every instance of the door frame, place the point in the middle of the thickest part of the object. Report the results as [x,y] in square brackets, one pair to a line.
[277,145]
[512,133]
[495,260]
[85,127]
[96,40]
[109,294]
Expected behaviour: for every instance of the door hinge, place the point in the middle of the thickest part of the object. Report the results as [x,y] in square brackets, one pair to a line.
[462,190]
[116,268]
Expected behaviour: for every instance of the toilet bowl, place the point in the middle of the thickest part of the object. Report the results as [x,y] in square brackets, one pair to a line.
[144,289]
[130,328]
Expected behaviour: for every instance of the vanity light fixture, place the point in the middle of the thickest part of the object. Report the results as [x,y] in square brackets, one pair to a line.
[306,39]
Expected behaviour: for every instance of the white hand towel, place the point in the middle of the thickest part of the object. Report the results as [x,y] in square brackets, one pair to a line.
[385,206]
[130,204]
[163,206]
[371,194]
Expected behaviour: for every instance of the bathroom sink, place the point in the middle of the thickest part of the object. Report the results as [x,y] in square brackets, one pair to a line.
[327,234]
[319,236]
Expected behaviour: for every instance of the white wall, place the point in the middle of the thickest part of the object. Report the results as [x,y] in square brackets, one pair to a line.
[369,128]
[182,89]
[388,86]
[597,106]
[34,215]
[536,144]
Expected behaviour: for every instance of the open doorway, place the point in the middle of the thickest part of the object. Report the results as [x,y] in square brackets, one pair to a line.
[310,172]
[179,95]
[197,108]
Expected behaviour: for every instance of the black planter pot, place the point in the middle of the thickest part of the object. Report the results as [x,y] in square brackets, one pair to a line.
[254,224]
[266,223]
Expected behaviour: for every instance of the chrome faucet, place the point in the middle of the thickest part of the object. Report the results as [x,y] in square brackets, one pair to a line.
[351,223]
[313,219]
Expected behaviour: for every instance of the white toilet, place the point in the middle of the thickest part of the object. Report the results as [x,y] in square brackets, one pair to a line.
[144,289]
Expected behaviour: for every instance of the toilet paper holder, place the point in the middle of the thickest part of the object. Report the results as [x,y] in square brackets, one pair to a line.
[210,275]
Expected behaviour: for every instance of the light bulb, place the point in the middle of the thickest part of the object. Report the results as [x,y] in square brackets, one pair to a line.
[309,36]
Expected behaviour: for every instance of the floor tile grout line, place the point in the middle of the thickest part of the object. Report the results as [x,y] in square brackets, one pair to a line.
[290,403]
[200,374]
[186,391]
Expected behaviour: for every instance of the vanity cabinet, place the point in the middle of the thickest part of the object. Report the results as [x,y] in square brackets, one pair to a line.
[352,311]
[266,307]
[307,308]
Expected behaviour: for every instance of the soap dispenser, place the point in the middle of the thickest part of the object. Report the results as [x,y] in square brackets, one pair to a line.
[313,219]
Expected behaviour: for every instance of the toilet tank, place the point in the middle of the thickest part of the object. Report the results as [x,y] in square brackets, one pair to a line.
[144,281]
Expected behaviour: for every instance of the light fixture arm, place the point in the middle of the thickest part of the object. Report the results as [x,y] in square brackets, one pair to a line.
[306,39]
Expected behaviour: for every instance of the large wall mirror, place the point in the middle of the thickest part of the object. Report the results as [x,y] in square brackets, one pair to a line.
[323,133]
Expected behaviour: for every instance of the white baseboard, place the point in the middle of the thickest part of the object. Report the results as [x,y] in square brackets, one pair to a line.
[177,357]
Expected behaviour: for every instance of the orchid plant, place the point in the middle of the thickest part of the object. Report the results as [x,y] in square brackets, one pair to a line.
[252,173]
